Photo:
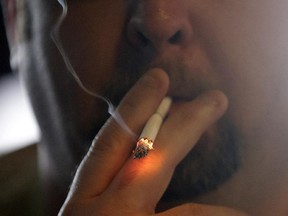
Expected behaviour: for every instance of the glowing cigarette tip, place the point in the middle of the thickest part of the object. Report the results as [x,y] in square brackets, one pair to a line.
[150,131]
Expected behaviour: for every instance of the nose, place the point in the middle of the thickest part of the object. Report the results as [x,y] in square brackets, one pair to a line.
[159,23]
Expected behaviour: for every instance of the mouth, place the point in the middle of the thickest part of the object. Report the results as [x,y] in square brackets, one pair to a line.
[186,83]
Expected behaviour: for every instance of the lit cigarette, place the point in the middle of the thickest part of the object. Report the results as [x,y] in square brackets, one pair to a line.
[150,131]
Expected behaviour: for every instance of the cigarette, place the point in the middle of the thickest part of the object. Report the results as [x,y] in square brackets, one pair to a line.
[151,129]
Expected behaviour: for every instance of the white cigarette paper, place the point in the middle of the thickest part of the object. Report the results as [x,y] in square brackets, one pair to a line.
[151,129]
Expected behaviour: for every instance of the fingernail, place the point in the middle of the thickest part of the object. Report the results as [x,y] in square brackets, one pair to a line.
[210,101]
[213,98]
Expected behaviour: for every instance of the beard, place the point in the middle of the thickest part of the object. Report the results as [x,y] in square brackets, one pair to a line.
[213,160]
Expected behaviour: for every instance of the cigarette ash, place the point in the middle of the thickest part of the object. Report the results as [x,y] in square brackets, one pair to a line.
[143,147]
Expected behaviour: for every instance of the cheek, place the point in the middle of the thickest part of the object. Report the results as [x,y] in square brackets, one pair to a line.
[91,34]
[249,103]
[245,59]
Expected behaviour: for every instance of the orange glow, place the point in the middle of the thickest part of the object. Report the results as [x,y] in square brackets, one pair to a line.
[143,147]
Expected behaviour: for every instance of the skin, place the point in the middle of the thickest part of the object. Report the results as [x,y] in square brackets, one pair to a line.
[236,47]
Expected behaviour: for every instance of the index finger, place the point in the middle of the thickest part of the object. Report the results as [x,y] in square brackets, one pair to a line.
[146,179]
[113,145]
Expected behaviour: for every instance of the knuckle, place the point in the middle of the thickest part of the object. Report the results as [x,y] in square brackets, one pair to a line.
[128,106]
[107,140]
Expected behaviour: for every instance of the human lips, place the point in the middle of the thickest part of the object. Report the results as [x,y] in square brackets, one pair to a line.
[185,83]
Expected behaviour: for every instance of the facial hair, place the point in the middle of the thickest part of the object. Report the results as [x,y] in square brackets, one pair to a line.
[215,158]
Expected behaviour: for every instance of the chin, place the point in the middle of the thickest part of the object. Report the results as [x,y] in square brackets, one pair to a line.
[213,160]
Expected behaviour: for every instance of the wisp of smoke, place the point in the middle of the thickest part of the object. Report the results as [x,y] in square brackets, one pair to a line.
[56,38]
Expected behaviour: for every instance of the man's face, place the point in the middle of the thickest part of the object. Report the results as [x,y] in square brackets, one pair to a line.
[235,46]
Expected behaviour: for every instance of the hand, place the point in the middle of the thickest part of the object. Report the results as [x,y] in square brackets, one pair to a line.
[110,182]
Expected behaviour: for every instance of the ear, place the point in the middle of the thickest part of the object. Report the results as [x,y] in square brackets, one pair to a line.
[16,23]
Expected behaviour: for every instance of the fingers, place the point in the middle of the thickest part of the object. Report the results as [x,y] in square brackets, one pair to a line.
[148,178]
[194,117]
[113,144]
[201,210]
[107,170]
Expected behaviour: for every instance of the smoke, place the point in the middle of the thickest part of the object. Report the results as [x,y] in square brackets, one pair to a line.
[57,40]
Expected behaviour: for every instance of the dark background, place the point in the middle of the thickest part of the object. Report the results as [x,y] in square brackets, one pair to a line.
[4,50]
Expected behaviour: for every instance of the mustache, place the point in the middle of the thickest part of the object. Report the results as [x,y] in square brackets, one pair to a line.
[185,83]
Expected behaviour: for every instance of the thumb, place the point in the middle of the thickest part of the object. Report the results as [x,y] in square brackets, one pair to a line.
[201,210]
